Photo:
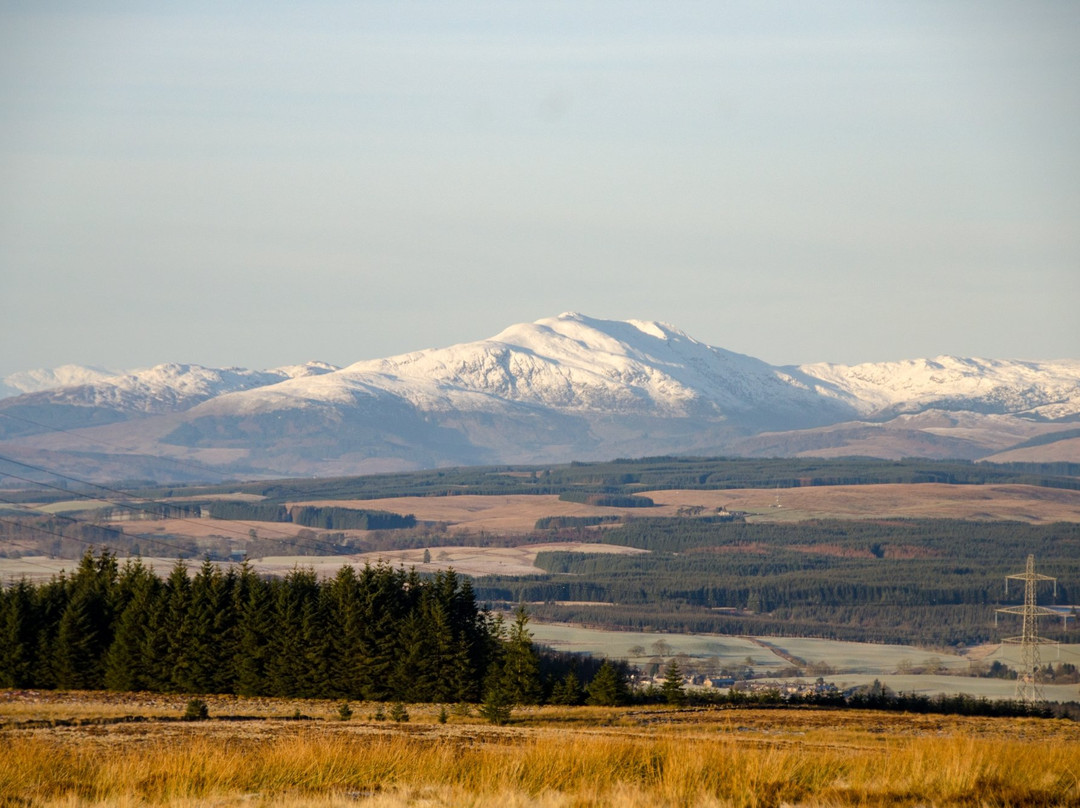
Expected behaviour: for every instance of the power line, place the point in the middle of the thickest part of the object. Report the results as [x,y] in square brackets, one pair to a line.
[209,469]
[195,466]
[119,533]
[294,491]
[90,544]
[1028,683]
[285,541]
[313,543]
[23,559]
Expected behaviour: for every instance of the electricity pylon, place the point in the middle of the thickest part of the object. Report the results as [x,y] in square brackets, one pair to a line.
[1028,687]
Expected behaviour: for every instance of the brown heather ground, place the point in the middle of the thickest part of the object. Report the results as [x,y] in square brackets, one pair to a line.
[471,518]
[518,513]
[547,757]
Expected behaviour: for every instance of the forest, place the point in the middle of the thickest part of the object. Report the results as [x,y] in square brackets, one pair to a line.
[380,635]
[932,581]
[627,476]
[377,634]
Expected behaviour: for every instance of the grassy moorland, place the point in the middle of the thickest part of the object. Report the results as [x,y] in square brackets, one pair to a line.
[74,749]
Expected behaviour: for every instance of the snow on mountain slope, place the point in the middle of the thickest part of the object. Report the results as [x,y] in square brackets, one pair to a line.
[302,371]
[558,389]
[34,381]
[164,388]
[1048,390]
[570,363]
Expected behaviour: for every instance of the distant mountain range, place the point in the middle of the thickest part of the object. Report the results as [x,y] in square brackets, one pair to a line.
[565,388]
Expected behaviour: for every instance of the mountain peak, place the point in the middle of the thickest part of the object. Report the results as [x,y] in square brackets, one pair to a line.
[560,388]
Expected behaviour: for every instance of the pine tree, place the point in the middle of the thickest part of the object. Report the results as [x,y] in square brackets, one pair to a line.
[251,601]
[75,662]
[50,601]
[462,682]
[607,688]
[315,640]
[521,664]
[343,614]
[498,701]
[567,690]
[138,590]
[175,629]
[203,636]
[285,650]
[154,645]
[18,635]
[84,631]
[226,635]
[383,609]
[413,674]
[473,639]
[673,689]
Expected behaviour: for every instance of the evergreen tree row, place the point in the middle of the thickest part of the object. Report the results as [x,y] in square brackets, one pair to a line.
[626,476]
[379,633]
[310,516]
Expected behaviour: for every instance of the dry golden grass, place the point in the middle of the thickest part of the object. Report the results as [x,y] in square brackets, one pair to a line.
[1024,503]
[518,513]
[475,513]
[550,757]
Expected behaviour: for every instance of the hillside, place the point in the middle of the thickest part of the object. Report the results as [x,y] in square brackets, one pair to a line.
[564,388]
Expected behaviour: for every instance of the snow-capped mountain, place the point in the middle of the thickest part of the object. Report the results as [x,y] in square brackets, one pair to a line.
[561,388]
[570,363]
[1042,389]
[33,381]
[163,388]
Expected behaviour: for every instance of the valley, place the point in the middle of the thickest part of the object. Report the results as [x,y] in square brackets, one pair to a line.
[854,579]
[800,553]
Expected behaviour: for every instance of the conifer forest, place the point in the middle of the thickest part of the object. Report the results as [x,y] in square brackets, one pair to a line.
[379,634]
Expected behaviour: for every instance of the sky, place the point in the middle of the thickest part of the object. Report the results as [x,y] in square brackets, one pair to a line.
[261,184]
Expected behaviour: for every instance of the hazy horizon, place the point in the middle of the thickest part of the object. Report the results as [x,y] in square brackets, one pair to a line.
[259,186]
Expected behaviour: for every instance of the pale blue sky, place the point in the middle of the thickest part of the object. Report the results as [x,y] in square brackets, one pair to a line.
[264,183]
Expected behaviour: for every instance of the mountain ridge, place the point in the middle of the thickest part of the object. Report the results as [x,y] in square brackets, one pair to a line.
[560,388]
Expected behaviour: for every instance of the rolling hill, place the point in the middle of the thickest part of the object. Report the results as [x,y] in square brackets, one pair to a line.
[561,388]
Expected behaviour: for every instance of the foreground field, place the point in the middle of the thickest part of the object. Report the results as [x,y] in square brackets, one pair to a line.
[547,757]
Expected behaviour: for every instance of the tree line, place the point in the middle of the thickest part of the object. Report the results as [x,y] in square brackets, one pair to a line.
[925,580]
[327,518]
[379,634]
[629,476]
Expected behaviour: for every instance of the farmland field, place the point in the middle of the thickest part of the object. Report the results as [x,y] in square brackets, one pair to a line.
[852,664]
[66,749]
[463,559]
[620,644]
[518,513]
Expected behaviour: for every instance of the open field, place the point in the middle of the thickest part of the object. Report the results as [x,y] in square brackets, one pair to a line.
[851,663]
[925,684]
[474,517]
[621,644]
[1022,503]
[475,514]
[546,757]
[858,657]
[464,560]
[518,513]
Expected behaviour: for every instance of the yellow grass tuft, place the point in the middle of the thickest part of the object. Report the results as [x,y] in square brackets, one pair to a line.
[736,759]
